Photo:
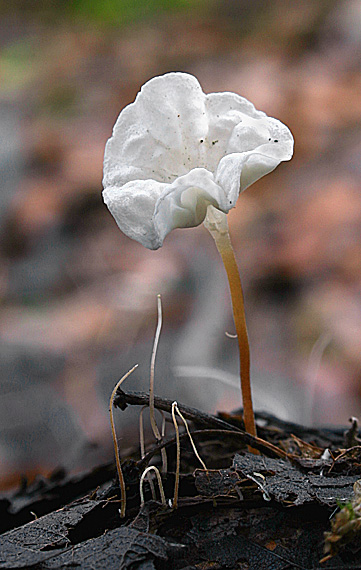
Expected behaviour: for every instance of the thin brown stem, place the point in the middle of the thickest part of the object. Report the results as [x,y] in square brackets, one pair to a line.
[225,249]
[123,496]
[216,223]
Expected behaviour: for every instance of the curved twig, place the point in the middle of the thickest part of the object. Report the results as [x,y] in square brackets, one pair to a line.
[123,399]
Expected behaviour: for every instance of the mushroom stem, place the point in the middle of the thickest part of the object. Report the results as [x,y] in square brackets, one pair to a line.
[216,223]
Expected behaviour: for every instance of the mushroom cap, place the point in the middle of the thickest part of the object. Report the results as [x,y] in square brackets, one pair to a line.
[177,150]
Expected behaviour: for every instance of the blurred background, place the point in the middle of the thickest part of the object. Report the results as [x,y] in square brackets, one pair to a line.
[78,298]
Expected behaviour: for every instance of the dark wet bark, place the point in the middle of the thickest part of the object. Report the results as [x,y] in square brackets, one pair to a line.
[267,511]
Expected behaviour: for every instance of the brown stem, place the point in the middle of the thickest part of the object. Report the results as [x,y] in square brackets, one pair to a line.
[216,223]
[115,443]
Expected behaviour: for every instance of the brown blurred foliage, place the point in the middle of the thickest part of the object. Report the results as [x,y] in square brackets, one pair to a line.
[78,297]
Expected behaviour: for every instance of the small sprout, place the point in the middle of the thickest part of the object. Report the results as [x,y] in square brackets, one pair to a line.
[142,444]
[153,423]
[177,469]
[176,484]
[255,478]
[326,455]
[141,430]
[350,436]
[175,406]
[123,497]
[160,484]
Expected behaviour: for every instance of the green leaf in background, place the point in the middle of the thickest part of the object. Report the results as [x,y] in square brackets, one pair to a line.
[122,11]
